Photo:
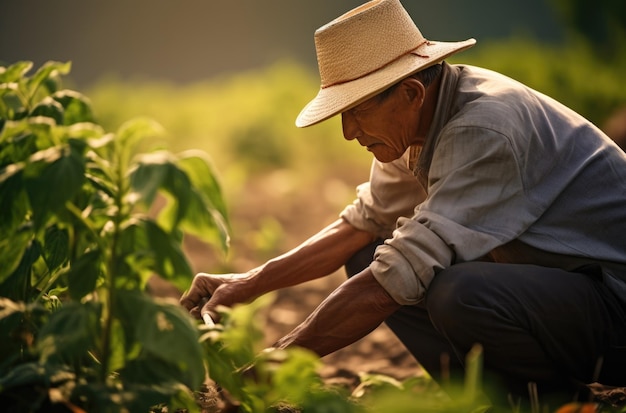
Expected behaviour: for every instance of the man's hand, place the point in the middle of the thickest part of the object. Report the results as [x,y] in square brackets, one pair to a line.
[320,255]
[207,291]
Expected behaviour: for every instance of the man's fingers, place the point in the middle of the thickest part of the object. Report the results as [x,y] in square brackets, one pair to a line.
[191,299]
[203,289]
[198,294]
[195,312]
[196,307]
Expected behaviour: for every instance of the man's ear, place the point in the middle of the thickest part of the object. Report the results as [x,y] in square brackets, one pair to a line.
[414,90]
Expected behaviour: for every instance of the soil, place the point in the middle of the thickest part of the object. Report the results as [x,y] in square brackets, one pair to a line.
[300,213]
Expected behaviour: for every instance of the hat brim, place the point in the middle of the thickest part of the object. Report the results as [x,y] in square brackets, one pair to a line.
[335,99]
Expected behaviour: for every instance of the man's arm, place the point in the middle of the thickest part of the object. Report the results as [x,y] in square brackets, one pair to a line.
[353,310]
[320,255]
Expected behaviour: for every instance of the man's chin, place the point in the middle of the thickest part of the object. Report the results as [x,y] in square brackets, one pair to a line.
[385,158]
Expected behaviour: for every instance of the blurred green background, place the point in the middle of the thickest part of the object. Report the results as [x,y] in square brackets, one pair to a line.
[230,78]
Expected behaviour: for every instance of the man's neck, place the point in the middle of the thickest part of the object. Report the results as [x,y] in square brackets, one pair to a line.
[428,108]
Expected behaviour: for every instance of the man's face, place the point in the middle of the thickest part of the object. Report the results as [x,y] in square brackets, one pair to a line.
[385,126]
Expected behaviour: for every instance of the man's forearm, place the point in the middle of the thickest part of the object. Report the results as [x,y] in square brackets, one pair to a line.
[320,255]
[352,311]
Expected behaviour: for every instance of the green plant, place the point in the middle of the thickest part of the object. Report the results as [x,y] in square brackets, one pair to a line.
[266,380]
[87,218]
[275,380]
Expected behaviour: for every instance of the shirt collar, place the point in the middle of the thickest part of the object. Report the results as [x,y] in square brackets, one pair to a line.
[421,157]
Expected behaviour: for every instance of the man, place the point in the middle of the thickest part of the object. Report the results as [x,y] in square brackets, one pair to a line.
[493,215]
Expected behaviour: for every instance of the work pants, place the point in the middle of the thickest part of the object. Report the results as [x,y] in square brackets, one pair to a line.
[556,329]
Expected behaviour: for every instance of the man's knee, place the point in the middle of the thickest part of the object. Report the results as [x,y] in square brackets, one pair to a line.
[454,290]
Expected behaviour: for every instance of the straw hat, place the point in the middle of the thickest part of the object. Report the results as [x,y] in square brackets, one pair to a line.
[365,51]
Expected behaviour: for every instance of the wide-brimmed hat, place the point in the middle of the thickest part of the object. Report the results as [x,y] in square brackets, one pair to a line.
[366,50]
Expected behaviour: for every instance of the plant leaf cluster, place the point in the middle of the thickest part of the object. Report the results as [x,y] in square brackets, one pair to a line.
[87,218]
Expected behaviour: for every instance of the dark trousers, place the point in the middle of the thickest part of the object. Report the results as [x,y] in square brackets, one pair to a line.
[554,328]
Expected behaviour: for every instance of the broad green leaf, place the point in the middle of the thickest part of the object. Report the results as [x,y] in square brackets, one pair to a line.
[171,261]
[50,108]
[77,107]
[134,257]
[18,148]
[51,182]
[10,102]
[46,71]
[177,184]
[97,142]
[13,200]
[206,224]
[199,168]
[92,133]
[187,206]
[148,247]
[15,262]
[12,87]
[167,334]
[44,128]
[131,132]
[216,227]
[39,131]
[12,107]
[70,333]
[12,134]
[56,247]
[199,219]
[128,313]
[83,274]
[14,72]
[149,175]
[26,374]
[9,88]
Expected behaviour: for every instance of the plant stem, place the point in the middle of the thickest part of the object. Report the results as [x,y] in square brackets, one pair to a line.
[111,266]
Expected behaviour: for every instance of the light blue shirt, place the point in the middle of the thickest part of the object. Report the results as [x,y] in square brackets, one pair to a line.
[505,171]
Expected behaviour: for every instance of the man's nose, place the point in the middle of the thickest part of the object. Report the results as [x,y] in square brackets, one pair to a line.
[350,126]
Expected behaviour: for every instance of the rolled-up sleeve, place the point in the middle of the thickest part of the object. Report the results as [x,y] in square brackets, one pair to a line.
[392,192]
[476,202]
